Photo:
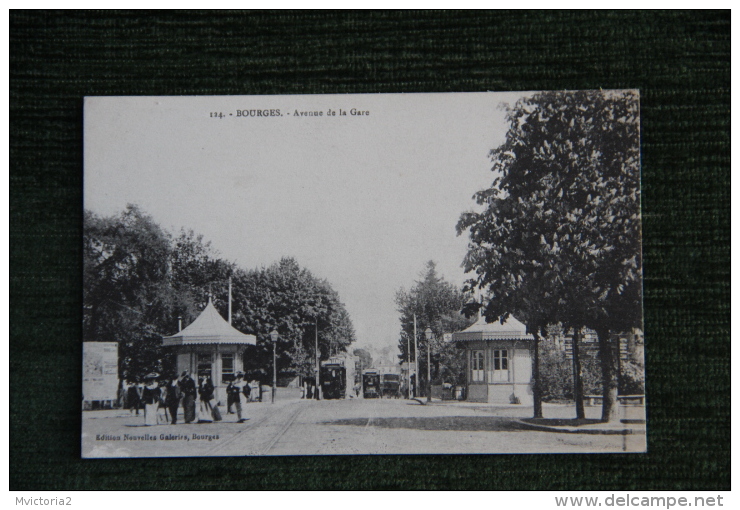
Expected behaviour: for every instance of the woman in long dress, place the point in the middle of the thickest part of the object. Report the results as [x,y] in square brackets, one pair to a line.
[206,395]
[189,392]
[162,415]
[150,397]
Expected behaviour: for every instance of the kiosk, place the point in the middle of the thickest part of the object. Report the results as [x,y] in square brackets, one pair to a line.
[210,346]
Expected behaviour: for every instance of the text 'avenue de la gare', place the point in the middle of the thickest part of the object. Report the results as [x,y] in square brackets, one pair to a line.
[277,112]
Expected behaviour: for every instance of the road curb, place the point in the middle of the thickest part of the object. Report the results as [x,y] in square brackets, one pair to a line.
[577,430]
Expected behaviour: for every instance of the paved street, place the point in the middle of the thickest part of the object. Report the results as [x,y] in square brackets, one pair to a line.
[298,427]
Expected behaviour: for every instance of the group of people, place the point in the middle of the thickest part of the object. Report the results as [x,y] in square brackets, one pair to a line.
[161,399]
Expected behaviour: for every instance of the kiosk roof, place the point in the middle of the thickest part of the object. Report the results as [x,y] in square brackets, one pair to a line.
[209,328]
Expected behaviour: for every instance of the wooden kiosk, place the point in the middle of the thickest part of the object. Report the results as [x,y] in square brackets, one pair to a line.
[499,361]
[210,346]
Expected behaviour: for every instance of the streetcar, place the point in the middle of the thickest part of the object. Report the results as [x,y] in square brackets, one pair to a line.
[390,385]
[333,380]
[370,384]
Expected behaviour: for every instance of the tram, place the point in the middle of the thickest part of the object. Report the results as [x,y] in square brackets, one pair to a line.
[371,384]
[333,380]
[390,385]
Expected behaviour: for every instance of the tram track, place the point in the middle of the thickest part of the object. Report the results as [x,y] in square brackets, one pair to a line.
[250,426]
[288,423]
[255,439]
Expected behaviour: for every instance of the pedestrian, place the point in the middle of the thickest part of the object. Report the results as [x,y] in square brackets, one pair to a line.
[134,396]
[162,418]
[230,399]
[235,390]
[122,394]
[309,388]
[247,391]
[189,392]
[150,398]
[206,395]
[215,412]
[172,399]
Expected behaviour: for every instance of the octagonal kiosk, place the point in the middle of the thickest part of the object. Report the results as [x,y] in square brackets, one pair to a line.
[210,346]
[499,359]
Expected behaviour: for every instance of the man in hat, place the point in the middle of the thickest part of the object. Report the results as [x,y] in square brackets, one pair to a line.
[234,391]
[172,398]
[189,392]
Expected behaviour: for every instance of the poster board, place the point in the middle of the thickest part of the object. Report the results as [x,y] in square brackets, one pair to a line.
[99,371]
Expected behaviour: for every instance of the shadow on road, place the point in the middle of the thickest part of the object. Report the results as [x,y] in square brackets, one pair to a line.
[465,423]
[561,422]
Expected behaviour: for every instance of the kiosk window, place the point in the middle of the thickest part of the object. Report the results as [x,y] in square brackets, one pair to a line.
[476,366]
[500,366]
[227,368]
[204,365]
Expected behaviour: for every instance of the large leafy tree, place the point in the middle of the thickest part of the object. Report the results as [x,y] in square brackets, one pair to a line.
[436,304]
[558,239]
[291,300]
[127,297]
[197,272]
[138,279]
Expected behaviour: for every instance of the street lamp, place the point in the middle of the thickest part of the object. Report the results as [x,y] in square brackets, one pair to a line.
[428,334]
[274,337]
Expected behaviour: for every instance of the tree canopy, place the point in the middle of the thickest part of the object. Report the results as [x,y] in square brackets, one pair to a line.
[291,300]
[562,215]
[437,304]
[558,239]
[126,293]
[138,279]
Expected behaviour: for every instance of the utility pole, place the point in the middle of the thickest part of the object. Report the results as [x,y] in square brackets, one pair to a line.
[416,359]
[318,367]
[408,361]
[274,337]
[428,334]
[229,300]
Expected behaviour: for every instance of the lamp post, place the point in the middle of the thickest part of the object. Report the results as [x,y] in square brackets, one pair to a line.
[428,334]
[274,337]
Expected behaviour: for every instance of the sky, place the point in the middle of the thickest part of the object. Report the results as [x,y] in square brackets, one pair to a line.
[361,200]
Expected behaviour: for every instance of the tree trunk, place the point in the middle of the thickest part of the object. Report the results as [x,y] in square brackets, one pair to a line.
[610,406]
[536,385]
[577,381]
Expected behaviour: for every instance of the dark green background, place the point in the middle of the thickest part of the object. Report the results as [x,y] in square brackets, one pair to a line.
[680,61]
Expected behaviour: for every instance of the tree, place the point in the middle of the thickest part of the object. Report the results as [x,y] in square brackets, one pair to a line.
[436,304]
[559,237]
[366,360]
[197,272]
[293,301]
[126,293]
[138,279]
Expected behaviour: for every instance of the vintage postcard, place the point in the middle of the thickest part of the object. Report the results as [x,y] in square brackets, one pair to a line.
[362,274]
